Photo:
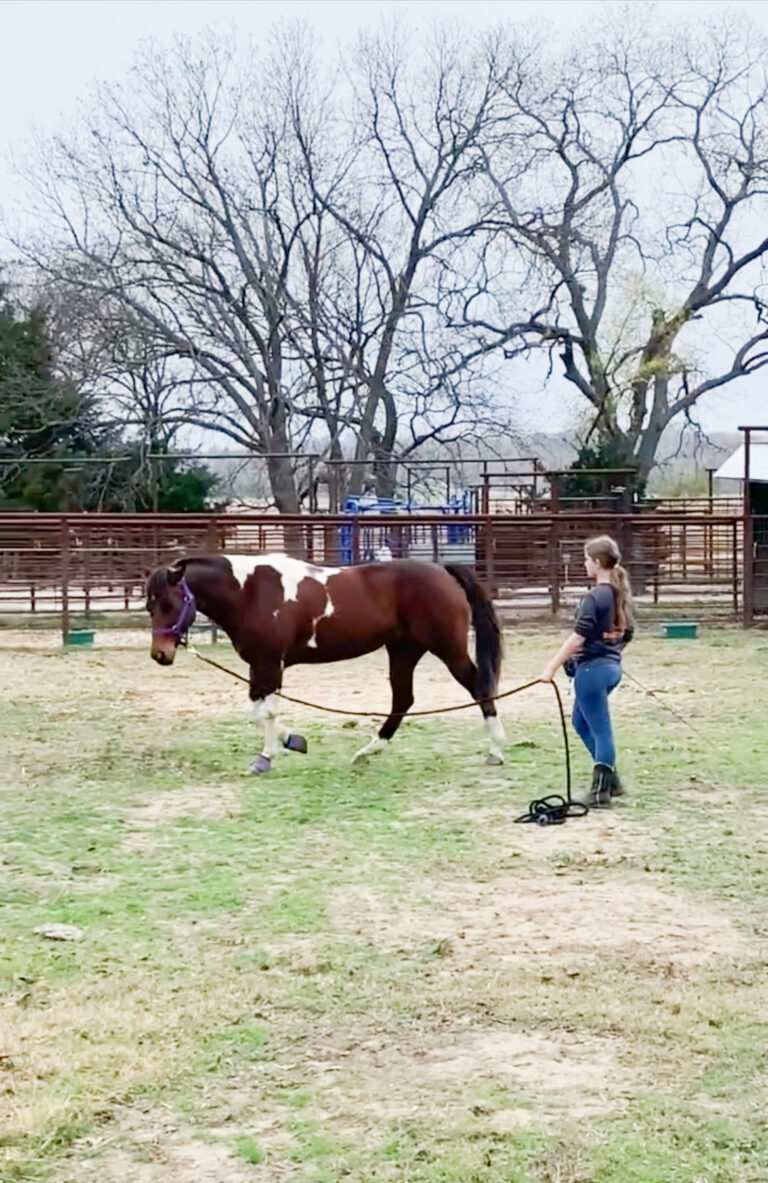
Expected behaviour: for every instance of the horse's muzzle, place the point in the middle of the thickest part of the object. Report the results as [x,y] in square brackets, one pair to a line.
[164,654]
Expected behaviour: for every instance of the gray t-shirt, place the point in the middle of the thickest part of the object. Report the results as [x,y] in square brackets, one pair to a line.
[594,618]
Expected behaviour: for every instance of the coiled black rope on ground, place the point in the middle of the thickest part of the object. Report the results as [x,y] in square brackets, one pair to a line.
[554,809]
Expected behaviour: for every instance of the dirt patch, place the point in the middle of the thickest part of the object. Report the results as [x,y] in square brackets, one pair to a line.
[562,1071]
[140,1145]
[216,802]
[511,920]
[601,838]
[160,1161]
[571,1070]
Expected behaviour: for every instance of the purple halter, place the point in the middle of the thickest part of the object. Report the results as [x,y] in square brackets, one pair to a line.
[186,616]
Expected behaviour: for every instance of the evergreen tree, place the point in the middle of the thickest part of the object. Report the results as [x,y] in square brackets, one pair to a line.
[43,418]
[47,424]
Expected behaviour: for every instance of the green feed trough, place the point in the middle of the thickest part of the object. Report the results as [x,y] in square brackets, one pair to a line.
[674,629]
[81,637]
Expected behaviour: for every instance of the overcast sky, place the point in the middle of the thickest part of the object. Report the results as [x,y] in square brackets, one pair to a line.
[51,51]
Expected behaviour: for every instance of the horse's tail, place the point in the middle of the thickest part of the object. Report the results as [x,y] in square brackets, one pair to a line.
[488,645]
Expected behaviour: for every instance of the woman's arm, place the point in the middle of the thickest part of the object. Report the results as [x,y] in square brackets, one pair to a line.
[570,646]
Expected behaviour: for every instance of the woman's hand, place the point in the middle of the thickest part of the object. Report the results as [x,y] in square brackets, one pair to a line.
[570,646]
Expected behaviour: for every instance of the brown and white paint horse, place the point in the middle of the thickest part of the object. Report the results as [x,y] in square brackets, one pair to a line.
[279,611]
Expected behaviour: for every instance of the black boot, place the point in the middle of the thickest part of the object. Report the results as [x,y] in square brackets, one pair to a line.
[599,796]
[617,788]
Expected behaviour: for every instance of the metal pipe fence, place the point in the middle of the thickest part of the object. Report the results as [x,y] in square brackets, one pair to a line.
[83,565]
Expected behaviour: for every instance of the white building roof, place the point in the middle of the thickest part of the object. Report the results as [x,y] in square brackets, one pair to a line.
[733,468]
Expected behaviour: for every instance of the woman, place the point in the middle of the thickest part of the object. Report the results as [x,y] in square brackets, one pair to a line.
[602,626]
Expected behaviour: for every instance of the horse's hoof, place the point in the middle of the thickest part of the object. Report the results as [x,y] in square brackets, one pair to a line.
[370,749]
[295,743]
[493,761]
[260,765]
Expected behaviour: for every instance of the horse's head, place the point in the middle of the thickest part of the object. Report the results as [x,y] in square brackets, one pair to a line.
[171,605]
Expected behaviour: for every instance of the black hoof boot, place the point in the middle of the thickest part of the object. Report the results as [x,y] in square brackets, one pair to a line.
[260,766]
[295,743]
[599,796]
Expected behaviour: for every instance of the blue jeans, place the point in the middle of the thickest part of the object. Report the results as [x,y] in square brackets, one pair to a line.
[592,684]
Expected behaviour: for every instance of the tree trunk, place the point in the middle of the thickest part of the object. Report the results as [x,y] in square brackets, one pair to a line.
[378,394]
[283,484]
[385,469]
[282,478]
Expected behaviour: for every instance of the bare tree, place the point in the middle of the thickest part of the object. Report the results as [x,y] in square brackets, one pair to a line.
[141,388]
[294,269]
[627,197]
[404,205]
[169,202]
[224,208]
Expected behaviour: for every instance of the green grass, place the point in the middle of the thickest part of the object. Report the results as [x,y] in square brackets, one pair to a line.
[373,973]
[249,1150]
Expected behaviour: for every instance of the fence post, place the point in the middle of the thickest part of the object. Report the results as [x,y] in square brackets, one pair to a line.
[684,551]
[735,565]
[212,536]
[709,544]
[748,599]
[312,486]
[490,565]
[554,564]
[623,529]
[64,548]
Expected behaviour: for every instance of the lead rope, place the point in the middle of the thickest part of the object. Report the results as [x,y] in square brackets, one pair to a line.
[554,810]
[551,810]
[705,739]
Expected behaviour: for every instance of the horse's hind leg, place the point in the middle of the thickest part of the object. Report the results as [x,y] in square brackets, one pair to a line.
[404,656]
[464,671]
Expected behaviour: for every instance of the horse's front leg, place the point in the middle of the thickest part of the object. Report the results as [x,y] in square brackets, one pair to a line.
[265,682]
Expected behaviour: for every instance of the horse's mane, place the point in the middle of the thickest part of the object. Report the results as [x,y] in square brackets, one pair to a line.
[160,582]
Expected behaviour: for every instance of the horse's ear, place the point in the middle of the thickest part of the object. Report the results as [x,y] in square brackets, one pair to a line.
[176,572]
